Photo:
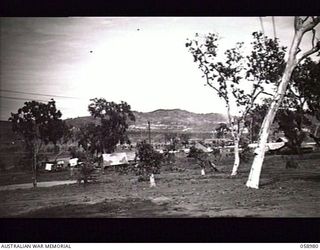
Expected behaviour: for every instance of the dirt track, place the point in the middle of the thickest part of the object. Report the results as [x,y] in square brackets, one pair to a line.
[282,193]
[39,185]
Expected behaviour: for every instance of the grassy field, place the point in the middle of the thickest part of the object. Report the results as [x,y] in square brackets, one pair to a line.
[184,193]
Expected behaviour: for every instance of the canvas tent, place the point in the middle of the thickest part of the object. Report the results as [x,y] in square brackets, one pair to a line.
[48,166]
[114,159]
[73,162]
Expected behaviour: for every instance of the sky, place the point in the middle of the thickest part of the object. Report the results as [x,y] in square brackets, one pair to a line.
[140,60]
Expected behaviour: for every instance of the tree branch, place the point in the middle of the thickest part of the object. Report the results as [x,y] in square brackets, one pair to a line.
[305,19]
[307,26]
[313,37]
[266,93]
[309,52]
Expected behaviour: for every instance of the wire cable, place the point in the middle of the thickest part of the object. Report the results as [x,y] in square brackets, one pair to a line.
[29,93]
[23,99]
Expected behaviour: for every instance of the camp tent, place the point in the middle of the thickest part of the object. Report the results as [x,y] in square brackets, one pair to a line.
[73,162]
[114,159]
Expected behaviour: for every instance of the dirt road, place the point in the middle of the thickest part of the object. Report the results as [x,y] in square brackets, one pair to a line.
[39,185]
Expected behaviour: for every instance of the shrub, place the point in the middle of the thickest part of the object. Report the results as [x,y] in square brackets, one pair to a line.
[201,158]
[75,152]
[150,159]
[246,153]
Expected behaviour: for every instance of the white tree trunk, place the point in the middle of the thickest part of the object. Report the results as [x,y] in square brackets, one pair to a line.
[236,156]
[254,176]
[152,181]
[203,172]
[236,134]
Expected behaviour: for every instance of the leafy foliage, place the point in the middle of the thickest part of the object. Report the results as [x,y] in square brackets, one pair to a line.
[246,152]
[301,100]
[291,123]
[184,138]
[266,61]
[89,137]
[114,120]
[239,79]
[263,66]
[306,86]
[222,130]
[255,118]
[38,123]
[202,158]
[37,120]
[150,159]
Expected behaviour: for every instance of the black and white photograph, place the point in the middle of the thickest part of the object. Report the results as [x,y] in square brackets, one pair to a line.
[160,117]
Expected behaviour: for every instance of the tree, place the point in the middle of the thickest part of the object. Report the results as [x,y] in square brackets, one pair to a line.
[89,138]
[113,125]
[149,161]
[302,25]
[202,159]
[39,124]
[184,138]
[292,123]
[67,136]
[255,119]
[222,130]
[305,88]
[227,77]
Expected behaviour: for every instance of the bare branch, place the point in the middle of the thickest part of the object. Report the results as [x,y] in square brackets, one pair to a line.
[313,37]
[266,93]
[305,19]
[307,26]
[310,52]
[298,51]
[208,82]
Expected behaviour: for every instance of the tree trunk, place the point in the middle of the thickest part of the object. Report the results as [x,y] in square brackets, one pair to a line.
[236,156]
[236,133]
[34,169]
[254,176]
[203,172]
[152,181]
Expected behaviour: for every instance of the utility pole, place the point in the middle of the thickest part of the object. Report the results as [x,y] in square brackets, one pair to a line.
[149,133]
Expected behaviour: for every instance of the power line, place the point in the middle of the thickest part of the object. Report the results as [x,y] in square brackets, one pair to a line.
[29,93]
[23,99]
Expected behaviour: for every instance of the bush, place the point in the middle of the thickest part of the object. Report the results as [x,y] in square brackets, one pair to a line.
[195,152]
[150,160]
[75,152]
[246,153]
[202,158]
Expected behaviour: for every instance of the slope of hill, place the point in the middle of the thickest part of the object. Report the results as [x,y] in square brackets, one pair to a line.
[166,119]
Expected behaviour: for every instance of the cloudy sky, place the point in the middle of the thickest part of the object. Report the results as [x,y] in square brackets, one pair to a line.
[142,61]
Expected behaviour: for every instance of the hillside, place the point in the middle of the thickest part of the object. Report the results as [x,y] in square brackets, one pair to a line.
[164,119]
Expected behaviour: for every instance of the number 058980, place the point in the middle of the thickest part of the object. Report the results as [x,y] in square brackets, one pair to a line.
[308,245]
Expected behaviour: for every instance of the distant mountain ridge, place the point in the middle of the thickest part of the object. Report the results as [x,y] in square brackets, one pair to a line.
[166,119]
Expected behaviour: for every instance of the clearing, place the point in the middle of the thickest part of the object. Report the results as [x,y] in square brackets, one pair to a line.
[181,192]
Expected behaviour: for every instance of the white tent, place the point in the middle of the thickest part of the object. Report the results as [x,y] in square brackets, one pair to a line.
[73,162]
[48,166]
[131,156]
[115,159]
